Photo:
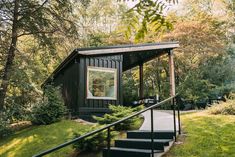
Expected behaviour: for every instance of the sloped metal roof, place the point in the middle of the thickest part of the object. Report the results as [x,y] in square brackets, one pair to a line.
[132,54]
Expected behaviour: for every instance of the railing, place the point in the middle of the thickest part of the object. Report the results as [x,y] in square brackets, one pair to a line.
[173,102]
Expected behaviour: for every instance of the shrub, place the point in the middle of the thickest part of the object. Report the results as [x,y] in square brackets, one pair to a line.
[51,109]
[17,108]
[225,108]
[4,126]
[92,143]
[119,112]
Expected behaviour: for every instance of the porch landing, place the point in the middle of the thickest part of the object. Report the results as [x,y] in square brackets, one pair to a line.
[163,120]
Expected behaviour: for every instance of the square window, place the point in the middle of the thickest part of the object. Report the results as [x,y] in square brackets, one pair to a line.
[101,83]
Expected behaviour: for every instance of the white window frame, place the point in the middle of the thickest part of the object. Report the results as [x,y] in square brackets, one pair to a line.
[101,69]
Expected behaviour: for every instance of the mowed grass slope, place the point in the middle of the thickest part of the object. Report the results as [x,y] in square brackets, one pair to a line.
[35,139]
[206,135]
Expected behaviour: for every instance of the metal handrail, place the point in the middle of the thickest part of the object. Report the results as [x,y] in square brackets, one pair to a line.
[109,126]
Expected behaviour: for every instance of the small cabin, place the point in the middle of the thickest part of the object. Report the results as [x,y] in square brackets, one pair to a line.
[91,78]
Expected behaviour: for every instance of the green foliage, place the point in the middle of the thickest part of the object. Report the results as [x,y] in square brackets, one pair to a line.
[40,22]
[156,74]
[39,49]
[93,143]
[51,109]
[118,112]
[148,15]
[225,108]
[4,129]
[4,125]
[130,89]
[17,111]
[204,67]
[195,88]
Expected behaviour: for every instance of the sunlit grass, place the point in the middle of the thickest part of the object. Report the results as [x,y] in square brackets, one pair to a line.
[35,139]
[206,135]
[225,108]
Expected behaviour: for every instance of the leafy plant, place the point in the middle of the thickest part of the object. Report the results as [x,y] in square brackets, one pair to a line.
[51,109]
[4,125]
[24,22]
[130,89]
[93,143]
[149,15]
[118,112]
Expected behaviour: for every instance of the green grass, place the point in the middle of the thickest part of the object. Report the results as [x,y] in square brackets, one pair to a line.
[35,139]
[206,135]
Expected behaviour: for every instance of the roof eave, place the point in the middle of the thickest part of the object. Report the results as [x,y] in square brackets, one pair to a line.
[130,48]
[110,50]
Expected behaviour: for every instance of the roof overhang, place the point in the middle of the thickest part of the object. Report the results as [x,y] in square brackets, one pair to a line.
[128,48]
[133,55]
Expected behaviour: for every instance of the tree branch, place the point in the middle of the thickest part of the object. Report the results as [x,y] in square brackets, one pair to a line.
[35,9]
[38,32]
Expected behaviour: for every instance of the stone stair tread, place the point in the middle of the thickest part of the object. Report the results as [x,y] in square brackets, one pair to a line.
[155,131]
[134,150]
[138,144]
[145,140]
[146,134]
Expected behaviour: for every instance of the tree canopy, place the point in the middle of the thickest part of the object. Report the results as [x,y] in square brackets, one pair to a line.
[35,36]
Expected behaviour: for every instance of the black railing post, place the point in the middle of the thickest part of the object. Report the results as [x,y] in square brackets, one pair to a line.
[179,123]
[152,133]
[173,103]
[108,142]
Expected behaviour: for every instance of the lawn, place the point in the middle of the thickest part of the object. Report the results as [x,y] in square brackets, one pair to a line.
[206,135]
[35,139]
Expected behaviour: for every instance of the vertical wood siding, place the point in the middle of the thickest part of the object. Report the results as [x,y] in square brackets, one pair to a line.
[106,62]
[68,80]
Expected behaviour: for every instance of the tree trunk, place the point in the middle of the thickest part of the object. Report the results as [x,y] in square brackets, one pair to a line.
[10,56]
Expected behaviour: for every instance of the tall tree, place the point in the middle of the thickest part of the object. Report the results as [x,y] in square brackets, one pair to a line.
[230,19]
[201,39]
[38,19]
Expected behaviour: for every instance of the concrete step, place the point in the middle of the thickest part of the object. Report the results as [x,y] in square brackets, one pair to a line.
[142,143]
[126,152]
[142,134]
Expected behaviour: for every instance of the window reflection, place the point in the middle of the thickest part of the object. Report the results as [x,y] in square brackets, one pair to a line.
[101,83]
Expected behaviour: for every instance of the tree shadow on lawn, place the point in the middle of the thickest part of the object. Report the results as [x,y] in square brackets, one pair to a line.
[35,139]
